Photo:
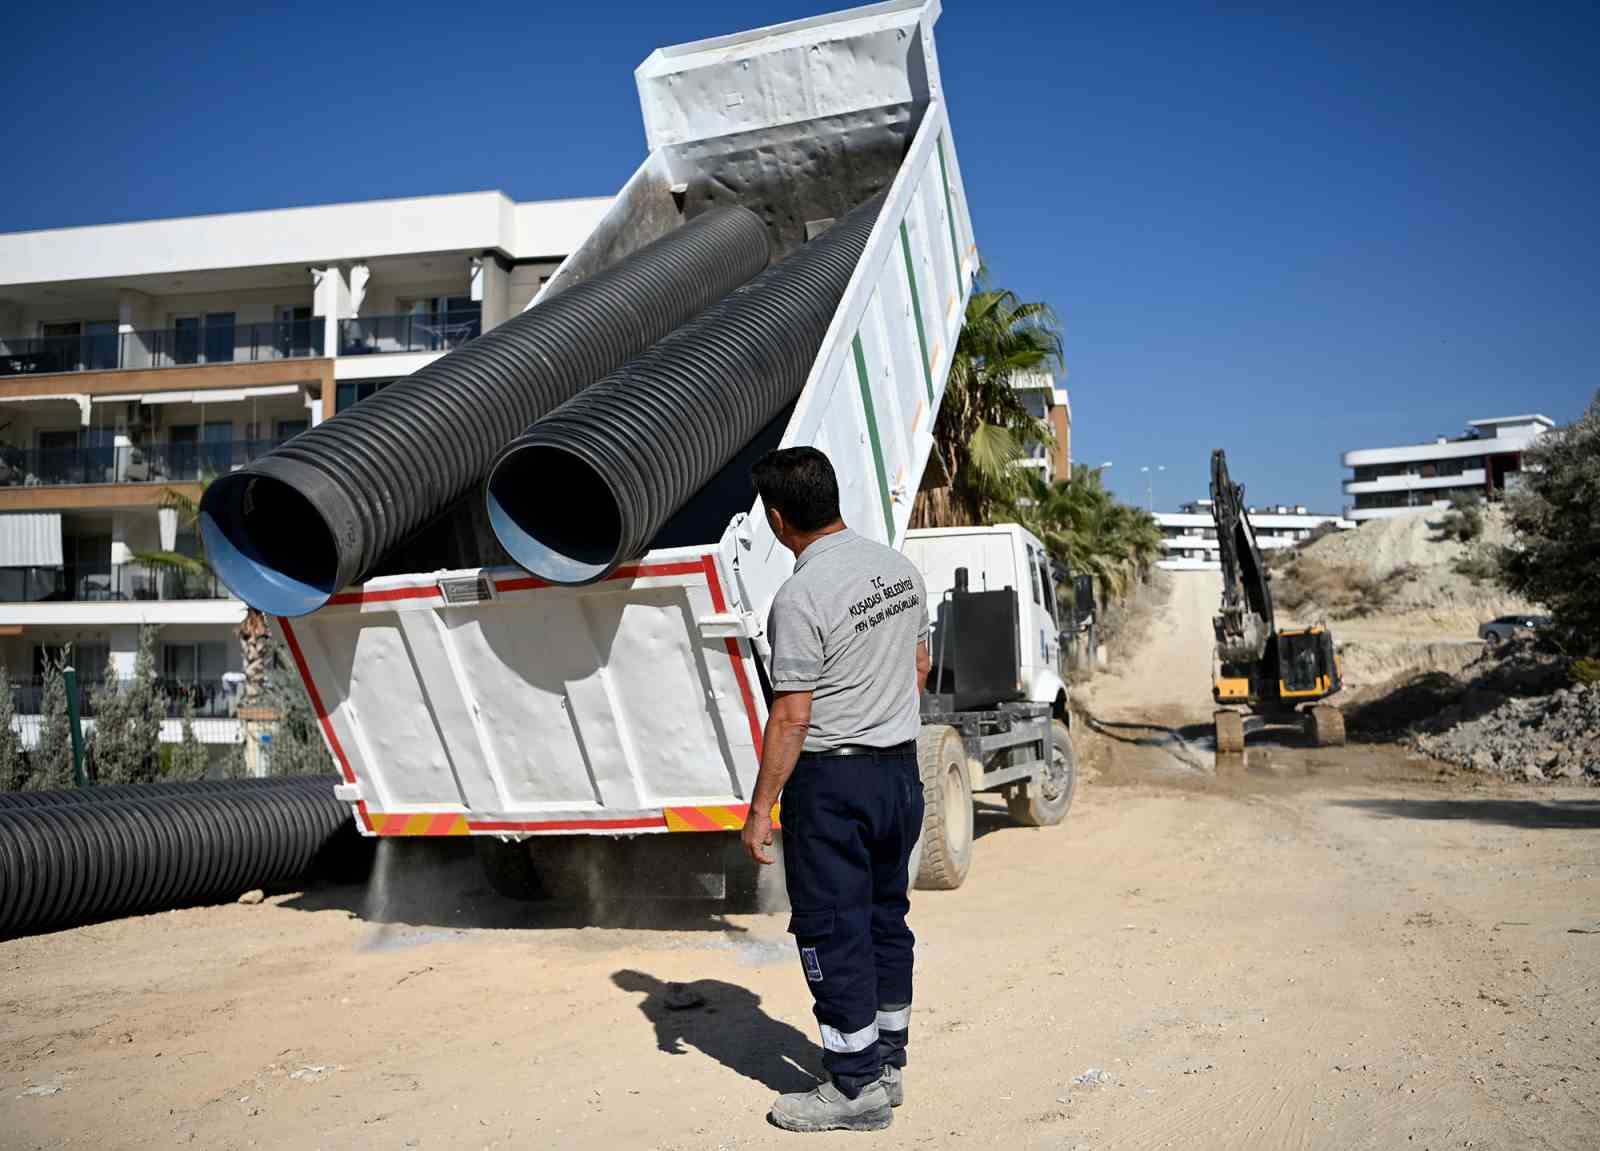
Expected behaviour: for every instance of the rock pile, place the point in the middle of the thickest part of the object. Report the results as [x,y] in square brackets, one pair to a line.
[1553,736]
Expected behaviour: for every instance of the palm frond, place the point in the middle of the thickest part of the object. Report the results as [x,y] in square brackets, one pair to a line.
[173,561]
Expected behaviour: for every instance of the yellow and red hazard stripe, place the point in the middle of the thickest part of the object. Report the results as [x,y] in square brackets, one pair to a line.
[418,823]
[708,817]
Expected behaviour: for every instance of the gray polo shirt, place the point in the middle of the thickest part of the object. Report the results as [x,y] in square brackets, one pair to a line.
[845,627]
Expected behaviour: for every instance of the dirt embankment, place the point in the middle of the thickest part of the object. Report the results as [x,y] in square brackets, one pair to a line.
[1402,596]
[1400,577]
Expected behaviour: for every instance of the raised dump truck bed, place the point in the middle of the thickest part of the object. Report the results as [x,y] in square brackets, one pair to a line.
[484,701]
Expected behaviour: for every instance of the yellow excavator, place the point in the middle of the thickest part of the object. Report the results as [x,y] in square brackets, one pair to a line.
[1263,676]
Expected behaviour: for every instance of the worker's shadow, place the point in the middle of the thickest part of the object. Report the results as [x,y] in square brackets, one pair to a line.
[725,1021]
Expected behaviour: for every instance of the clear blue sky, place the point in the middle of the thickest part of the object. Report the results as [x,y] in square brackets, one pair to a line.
[1286,233]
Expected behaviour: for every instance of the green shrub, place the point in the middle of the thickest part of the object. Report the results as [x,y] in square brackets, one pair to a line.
[13,764]
[1556,520]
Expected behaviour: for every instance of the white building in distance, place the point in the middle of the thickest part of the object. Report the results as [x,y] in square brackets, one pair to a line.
[1189,535]
[1486,461]
[138,358]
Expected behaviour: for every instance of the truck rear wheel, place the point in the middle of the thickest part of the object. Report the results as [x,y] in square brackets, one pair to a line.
[1044,800]
[1230,732]
[944,853]
[1326,725]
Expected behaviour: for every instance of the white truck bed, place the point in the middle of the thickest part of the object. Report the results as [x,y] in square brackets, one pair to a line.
[487,702]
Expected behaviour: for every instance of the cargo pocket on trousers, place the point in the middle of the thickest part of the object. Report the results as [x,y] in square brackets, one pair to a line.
[811,930]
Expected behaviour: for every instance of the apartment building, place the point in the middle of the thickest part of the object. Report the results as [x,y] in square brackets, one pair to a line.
[1048,403]
[1485,461]
[1189,535]
[137,359]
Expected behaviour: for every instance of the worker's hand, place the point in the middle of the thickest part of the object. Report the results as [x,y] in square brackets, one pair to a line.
[757,834]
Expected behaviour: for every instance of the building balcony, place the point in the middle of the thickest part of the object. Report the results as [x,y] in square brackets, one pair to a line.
[164,463]
[413,332]
[1410,481]
[210,698]
[161,348]
[114,583]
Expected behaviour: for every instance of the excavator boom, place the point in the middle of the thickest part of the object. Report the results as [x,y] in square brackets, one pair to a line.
[1245,622]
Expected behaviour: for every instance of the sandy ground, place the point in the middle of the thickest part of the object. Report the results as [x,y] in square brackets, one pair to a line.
[1315,949]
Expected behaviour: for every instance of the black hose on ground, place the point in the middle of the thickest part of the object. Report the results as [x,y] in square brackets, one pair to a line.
[68,863]
[101,792]
[633,448]
[289,530]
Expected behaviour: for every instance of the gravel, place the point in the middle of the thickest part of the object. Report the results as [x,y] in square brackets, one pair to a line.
[1555,736]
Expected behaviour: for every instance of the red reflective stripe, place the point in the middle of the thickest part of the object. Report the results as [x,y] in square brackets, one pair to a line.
[521,583]
[316,699]
[631,571]
[357,595]
[565,824]
[683,567]
[718,604]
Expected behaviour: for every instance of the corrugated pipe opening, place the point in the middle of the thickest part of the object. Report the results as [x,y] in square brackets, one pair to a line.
[588,486]
[321,511]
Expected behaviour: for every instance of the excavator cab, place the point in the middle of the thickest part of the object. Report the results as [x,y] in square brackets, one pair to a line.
[1308,667]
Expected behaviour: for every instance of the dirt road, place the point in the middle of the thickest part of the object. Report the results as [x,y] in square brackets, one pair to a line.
[1318,949]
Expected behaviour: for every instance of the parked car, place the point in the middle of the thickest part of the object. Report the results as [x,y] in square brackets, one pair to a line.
[1497,631]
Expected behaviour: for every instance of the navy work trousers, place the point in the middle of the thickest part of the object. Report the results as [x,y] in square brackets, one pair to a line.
[849,824]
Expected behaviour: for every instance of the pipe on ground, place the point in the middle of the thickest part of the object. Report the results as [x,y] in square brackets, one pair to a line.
[68,863]
[288,531]
[102,792]
[630,450]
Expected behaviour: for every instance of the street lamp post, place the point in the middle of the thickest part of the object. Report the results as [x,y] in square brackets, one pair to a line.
[1150,484]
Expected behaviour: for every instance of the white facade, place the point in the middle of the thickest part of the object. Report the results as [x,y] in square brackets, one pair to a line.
[1189,535]
[1388,482]
[137,358]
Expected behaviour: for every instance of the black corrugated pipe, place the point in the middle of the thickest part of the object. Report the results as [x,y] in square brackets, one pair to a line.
[630,450]
[294,527]
[68,863]
[101,792]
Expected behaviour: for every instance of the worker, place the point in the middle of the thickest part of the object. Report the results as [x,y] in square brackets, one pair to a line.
[848,634]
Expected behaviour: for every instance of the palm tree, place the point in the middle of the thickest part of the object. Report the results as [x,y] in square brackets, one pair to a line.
[1089,530]
[255,637]
[982,424]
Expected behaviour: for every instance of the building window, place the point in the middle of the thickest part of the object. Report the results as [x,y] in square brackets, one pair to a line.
[219,337]
[354,391]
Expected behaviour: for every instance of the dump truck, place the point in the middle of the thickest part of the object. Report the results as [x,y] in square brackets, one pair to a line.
[485,701]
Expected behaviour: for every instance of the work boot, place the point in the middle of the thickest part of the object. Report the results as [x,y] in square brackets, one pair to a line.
[894,1084]
[827,1109]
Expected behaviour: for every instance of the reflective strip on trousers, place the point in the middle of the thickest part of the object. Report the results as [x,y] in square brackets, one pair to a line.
[896,1019]
[836,1040]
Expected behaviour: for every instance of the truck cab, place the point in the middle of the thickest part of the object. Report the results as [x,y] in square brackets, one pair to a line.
[995,558]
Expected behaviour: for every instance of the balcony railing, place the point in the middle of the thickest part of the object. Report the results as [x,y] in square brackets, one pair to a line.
[109,584]
[161,347]
[210,697]
[150,463]
[367,335]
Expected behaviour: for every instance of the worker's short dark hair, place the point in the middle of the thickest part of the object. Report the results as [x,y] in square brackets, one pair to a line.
[800,484]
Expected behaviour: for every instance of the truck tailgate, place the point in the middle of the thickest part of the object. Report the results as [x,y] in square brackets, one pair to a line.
[490,702]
